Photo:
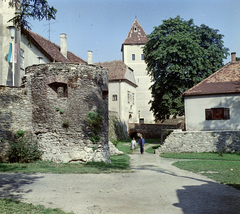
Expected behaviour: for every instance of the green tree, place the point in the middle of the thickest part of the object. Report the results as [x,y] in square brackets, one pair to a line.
[179,55]
[35,9]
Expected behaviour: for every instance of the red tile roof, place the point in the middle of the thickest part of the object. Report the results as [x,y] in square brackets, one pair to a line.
[136,35]
[117,70]
[224,81]
[51,49]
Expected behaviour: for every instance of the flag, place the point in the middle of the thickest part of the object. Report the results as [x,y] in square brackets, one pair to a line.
[9,59]
[15,52]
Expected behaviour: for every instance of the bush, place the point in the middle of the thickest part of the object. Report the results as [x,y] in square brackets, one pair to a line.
[65,124]
[20,133]
[23,149]
[94,122]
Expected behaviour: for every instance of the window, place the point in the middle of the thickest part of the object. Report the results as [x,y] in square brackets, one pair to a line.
[217,114]
[141,120]
[133,56]
[114,97]
[142,56]
[133,98]
[40,60]
[21,58]
[128,96]
[135,28]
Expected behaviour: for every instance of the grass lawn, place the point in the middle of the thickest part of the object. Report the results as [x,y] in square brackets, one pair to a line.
[119,163]
[224,169]
[9,206]
[125,146]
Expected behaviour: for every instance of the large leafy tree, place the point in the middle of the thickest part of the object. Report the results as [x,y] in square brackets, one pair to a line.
[27,9]
[180,54]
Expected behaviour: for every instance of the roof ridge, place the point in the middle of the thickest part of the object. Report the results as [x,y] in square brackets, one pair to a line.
[136,34]
[210,79]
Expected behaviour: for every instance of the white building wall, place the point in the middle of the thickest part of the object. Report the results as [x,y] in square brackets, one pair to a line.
[6,13]
[31,53]
[195,112]
[122,105]
[142,80]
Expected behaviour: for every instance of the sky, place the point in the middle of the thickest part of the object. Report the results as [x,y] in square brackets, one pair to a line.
[101,26]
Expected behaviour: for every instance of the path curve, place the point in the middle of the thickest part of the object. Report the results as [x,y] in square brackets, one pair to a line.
[155,187]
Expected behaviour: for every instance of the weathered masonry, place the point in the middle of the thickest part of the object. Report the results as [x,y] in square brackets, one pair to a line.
[52,95]
[201,141]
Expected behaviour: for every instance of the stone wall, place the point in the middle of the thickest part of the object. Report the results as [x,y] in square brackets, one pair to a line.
[201,141]
[53,94]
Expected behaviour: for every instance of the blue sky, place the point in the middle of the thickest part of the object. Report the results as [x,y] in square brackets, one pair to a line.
[102,25]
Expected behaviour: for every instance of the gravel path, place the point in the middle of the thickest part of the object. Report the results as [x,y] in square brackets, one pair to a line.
[155,187]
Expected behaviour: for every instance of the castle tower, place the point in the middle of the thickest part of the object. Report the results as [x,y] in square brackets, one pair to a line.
[133,57]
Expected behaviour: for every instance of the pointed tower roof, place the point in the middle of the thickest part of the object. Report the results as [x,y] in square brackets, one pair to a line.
[136,35]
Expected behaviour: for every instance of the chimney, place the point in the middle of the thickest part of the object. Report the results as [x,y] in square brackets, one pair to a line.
[89,57]
[63,43]
[233,54]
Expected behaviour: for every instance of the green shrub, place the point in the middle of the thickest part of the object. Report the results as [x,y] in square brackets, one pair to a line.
[57,109]
[94,122]
[65,124]
[61,111]
[23,149]
[20,133]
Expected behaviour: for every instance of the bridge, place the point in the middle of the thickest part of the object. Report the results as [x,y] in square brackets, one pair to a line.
[150,131]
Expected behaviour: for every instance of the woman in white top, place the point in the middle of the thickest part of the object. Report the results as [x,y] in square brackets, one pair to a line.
[133,145]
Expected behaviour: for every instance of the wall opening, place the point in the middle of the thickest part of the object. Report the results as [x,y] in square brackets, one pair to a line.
[60,89]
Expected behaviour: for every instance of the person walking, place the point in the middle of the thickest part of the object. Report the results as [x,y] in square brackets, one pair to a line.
[133,144]
[141,143]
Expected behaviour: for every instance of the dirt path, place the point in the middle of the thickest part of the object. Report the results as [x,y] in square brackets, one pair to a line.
[155,187]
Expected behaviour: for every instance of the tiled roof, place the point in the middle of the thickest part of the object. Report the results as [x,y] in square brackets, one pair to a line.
[224,81]
[136,35]
[51,49]
[117,70]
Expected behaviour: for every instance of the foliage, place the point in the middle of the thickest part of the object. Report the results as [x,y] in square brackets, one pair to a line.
[65,124]
[94,122]
[10,206]
[57,108]
[35,9]
[61,111]
[180,54]
[23,149]
[20,133]
[117,130]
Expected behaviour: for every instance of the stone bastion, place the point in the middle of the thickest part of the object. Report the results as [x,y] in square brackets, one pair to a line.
[52,95]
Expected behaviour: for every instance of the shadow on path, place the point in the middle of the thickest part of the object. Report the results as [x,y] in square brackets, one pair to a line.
[196,193]
[11,184]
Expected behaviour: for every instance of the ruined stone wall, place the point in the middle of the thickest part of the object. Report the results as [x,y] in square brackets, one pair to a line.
[201,141]
[15,114]
[64,94]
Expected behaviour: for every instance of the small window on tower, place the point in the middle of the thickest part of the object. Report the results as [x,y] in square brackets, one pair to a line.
[142,56]
[133,56]
[135,28]
[114,97]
